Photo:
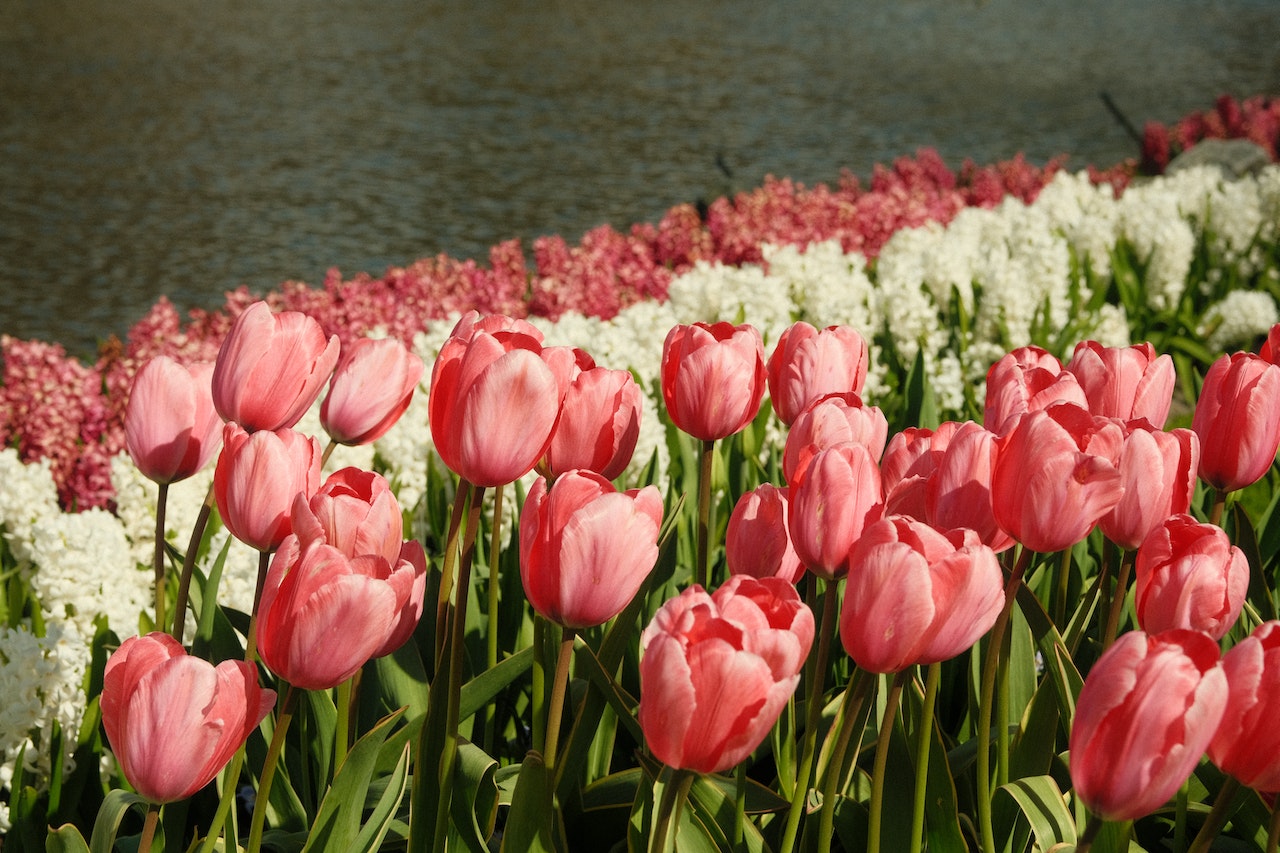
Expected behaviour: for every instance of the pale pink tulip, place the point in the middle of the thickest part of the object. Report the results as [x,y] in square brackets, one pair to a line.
[808,364]
[1026,380]
[371,388]
[1238,420]
[713,378]
[1247,741]
[256,479]
[1125,382]
[757,541]
[1158,472]
[831,420]
[1189,575]
[599,424]
[836,496]
[170,426]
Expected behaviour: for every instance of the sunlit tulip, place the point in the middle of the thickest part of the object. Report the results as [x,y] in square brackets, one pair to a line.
[915,595]
[1189,575]
[585,548]
[174,720]
[716,670]
[713,378]
[170,426]
[599,423]
[1270,349]
[1027,379]
[910,458]
[1247,741]
[831,420]
[1238,420]
[836,496]
[271,368]
[808,363]
[958,491]
[757,541]
[1125,382]
[1148,709]
[1158,472]
[256,479]
[355,511]
[371,388]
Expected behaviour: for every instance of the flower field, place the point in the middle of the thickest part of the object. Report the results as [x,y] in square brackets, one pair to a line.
[936,512]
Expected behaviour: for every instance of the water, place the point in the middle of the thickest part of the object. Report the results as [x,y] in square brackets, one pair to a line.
[149,147]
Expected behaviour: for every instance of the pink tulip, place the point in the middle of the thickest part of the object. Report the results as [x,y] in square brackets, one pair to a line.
[713,378]
[1055,476]
[910,459]
[495,397]
[585,548]
[958,491]
[171,429]
[1189,575]
[1124,382]
[1238,420]
[271,368]
[354,511]
[836,497]
[1270,349]
[371,389]
[1247,741]
[173,720]
[1158,471]
[1148,709]
[256,479]
[757,541]
[915,595]
[716,670]
[831,420]
[1027,380]
[599,424]
[808,364]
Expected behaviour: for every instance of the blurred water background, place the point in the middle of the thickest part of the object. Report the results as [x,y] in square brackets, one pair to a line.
[154,147]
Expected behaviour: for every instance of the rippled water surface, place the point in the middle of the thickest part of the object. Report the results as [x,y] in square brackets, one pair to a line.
[155,147]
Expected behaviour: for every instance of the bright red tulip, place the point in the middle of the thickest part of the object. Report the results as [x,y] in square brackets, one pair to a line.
[917,596]
[1238,420]
[1247,742]
[807,364]
[1125,382]
[1158,471]
[256,479]
[174,720]
[599,424]
[1189,575]
[324,614]
[271,368]
[1148,709]
[757,541]
[170,426]
[495,396]
[1055,476]
[716,670]
[958,491]
[713,378]
[836,496]
[585,548]
[910,458]
[831,420]
[371,388]
[355,511]
[1027,380]
[1270,349]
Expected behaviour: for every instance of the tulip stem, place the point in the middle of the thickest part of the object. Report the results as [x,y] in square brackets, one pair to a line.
[556,708]
[229,782]
[1217,817]
[490,712]
[990,667]
[446,570]
[269,769]
[923,743]
[342,729]
[188,565]
[704,512]
[1117,598]
[1091,829]
[149,826]
[251,641]
[162,498]
[1273,832]
[855,696]
[1064,579]
[1219,504]
[882,760]
[667,819]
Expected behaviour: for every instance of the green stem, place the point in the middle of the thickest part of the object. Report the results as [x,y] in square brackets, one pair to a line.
[342,731]
[188,566]
[558,690]
[667,819]
[489,713]
[739,805]
[149,827]
[1091,830]
[923,743]
[447,568]
[855,696]
[161,499]
[882,760]
[1002,713]
[1273,832]
[251,641]
[1219,504]
[269,769]
[1112,629]
[704,512]
[328,451]
[538,688]
[1064,578]
[1217,816]
[229,784]
[1180,819]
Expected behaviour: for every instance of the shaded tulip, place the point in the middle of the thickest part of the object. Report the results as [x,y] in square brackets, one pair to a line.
[716,670]
[371,388]
[170,426]
[1125,382]
[1238,420]
[910,458]
[757,541]
[1055,476]
[915,595]
[1247,741]
[713,378]
[958,491]
[585,548]
[599,424]
[808,364]
[831,420]
[1027,379]
[355,511]
[174,720]
[271,368]
[1270,349]
[1189,575]
[836,496]
[256,479]
[324,614]
[1158,471]
[495,396]
[1148,709]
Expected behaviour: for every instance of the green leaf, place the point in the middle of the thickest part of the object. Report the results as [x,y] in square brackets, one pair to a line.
[474,805]
[1045,809]
[337,824]
[1247,541]
[481,690]
[530,823]
[65,839]
[112,812]
[384,810]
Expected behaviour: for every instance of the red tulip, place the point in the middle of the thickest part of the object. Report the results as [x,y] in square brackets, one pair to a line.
[910,458]
[371,389]
[1055,476]
[808,364]
[170,427]
[1158,471]
[831,420]
[836,496]
[174,720]
[757,541]
[958,491]
[1238,420]
[324,614]
[915,595]
[599,423]
[1027,380]
[585,548]
[716,670]
[271,368]
[1124,382]
[1189,575]
[354,511]
[1247,741]
[713,378]
[256,479]
[495,397]
[1270,349]
[1148,709]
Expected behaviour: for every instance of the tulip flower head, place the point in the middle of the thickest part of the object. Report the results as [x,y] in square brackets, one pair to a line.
[256,479]
[1125,382]
[1189,575]
[910,458]
[836,496]
[1027,379]
[713,378]
[355,511]
[1238,420]
[1247,741]
[831,420]
[808,364]
[371,388]
[599,423]
[958,490]
[757,541]
[171,428]
[1158,472]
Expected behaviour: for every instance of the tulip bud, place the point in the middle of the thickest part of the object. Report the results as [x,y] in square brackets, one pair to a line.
[713,378]
[1189,575]
[808,364]
[1238,420]
[171,428]
[371,389]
